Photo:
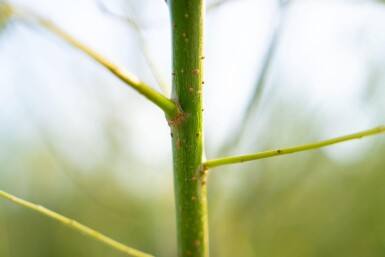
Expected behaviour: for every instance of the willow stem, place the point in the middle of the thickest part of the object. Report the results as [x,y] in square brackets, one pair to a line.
[187,26]
[75,225]
[262,155]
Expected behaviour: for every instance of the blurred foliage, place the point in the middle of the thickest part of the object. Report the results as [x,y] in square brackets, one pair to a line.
[301,205]
[5,14]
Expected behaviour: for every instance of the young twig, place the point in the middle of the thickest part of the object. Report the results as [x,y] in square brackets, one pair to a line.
[75,225]
[168,106]
[289,150]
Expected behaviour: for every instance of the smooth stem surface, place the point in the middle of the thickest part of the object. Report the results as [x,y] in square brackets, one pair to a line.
[289,150]
[187,25]
[75,225]
[169,107]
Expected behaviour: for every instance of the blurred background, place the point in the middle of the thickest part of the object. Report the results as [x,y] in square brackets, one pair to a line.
[75,139]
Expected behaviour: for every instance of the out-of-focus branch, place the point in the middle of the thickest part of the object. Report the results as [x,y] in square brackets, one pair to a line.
[6,11]
[45,139]
[107,11]
[262,155]
[75,225]
[260,83]
[138,28]
[217,4]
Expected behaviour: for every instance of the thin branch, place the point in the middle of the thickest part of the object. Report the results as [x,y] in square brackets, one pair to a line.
[149,57]
[295,149]
[75,225]
[169,107]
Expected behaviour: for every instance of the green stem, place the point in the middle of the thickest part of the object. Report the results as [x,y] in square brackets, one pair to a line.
[169,107]
[187,25]
[75,225]
[289,150]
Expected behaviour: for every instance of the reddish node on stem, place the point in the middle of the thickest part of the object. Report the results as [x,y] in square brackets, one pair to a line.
[179,118]
[178,143]
[196,71]
[204,171]
[176,121]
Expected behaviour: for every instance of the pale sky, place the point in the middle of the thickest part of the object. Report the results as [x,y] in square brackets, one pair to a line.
[322,63]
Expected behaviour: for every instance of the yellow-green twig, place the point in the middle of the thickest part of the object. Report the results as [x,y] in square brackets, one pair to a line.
[134,23]
[252,157]
[75,225]
[168,106]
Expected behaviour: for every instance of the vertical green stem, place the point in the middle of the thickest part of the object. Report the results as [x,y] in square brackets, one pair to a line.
[187,24]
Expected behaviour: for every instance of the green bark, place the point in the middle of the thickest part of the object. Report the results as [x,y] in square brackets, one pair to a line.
[187,24]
